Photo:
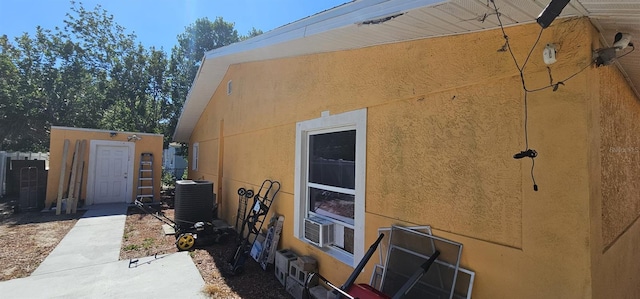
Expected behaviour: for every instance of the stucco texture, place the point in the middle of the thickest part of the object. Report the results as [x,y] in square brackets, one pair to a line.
[443,155]
[615,206]
[620,151]
[150,143]
[444,118]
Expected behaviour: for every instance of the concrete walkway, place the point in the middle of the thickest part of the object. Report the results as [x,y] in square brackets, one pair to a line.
[85,265]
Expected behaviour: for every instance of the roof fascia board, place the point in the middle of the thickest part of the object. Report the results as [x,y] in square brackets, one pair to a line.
[301,24]
[351,14]
[103,131]
[348,14]
[186,101]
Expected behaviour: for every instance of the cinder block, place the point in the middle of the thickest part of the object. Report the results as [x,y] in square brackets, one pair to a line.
[282,260]
[318,292]
[294,288]
[307,263]
[299,275]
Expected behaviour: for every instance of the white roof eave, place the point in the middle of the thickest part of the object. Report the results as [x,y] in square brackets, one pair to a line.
[339,29]
[348,14]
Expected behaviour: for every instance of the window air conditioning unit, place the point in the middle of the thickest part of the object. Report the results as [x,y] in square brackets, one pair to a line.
[318,231]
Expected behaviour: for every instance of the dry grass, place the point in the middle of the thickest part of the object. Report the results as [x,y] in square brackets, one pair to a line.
[143,236]
[27,238]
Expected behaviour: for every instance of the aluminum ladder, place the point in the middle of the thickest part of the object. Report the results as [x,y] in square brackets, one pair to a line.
[146,184]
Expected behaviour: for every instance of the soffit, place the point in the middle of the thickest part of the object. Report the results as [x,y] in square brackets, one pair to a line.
[341,28]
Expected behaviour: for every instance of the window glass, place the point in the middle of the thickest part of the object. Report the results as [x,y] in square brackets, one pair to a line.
[332,159]
[336,205]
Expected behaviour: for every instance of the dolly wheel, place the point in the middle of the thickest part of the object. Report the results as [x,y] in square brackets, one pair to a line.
[185,241]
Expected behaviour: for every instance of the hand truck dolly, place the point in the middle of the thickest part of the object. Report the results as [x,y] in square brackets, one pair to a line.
[243,197]
[253,224]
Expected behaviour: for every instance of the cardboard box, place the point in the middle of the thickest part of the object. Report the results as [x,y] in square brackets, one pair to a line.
[256,250]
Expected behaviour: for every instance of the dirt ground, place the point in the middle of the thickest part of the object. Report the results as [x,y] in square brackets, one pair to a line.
[143,236]
[28,237]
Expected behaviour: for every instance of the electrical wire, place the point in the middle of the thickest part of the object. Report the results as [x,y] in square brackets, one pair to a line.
[531,51]
[633,48]
[508,46]
[561,82]
[505,36]
[525,90]
[533,178]
[526,122]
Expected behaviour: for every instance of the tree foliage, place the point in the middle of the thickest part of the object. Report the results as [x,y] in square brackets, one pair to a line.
[201,36]
[252,33]
[93,74]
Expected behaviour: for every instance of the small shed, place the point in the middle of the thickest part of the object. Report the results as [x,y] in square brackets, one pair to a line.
[112,167]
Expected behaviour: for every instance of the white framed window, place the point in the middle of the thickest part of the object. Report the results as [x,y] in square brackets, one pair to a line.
[195,152]
[330,181]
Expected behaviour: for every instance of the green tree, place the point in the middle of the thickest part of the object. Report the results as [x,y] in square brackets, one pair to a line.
[35,65]
[252,33]
[201,36]
[137,86]
[92,73]
[11,110]
[88,74]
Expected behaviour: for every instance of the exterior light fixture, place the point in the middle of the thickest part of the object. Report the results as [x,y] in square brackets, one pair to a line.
[621,41]
[553,9]
[134,138]
[607,56]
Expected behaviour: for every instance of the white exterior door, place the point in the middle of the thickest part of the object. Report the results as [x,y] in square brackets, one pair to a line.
[110,173]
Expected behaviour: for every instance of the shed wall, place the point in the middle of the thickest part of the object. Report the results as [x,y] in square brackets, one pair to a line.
[150,143]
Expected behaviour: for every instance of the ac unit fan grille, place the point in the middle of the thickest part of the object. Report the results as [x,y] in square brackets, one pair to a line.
[312,231]
[318,231]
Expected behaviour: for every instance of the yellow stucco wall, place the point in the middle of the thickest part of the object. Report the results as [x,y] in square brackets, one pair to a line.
[616,205]
[620,150]
[150,143]
[445,116]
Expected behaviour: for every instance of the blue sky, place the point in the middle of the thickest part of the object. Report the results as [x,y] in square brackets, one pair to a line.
[158,22]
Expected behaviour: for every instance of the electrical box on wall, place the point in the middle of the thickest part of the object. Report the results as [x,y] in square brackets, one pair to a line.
[549,54]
